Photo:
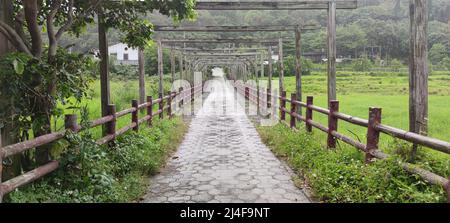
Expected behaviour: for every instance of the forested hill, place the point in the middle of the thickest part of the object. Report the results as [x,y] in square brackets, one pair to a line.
[378,24]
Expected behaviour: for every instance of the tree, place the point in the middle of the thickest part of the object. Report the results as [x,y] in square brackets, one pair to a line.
[58,17]
[437,53]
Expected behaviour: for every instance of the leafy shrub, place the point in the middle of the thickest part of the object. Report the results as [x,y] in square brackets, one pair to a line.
[362,64]
[92,173]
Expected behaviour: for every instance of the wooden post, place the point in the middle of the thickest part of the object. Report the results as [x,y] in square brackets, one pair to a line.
[111,126]
[1,176]
[309,113]
[181,96]
[373,135]
[169,105]
[161,106]
[70,122]
[298,67]
[283,106]
[331,50]
[160,69]
[269,98]
[247,93]
[6,16]
[269,85]
[332,123]
[104,70]
[281,65]
[150,109]
[262,65]
[134,115]
[141,76]
[172,64]
[293,110]
[418,69]
[181,67]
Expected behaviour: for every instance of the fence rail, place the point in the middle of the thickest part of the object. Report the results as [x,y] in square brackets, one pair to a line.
[71,125]
[373,125]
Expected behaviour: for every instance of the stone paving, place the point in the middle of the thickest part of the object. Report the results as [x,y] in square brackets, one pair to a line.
[222,159]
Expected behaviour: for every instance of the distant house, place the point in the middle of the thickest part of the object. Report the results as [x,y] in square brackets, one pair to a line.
[124,54]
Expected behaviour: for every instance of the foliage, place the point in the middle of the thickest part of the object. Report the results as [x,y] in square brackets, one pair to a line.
[362,64]
[18,73]
[445,63]
[396,65]
[437,53]
[151,60]
[289,64]
[92,173]
[342,176]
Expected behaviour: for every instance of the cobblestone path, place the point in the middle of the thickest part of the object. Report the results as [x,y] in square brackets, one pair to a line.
[222,159]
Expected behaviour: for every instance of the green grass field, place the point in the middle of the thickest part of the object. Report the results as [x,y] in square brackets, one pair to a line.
[359,91]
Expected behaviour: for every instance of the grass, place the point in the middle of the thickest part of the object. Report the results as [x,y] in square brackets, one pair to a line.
[340,176]
[357,92]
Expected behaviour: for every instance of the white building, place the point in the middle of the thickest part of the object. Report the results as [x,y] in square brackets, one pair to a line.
[124,54]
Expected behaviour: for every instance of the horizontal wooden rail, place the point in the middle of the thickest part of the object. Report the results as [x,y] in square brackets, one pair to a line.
[373,125]
[111,133]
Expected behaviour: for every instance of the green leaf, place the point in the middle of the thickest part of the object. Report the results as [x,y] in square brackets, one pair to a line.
[18,66]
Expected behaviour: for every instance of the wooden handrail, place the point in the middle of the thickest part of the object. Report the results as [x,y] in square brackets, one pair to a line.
[10,150]
[371,149]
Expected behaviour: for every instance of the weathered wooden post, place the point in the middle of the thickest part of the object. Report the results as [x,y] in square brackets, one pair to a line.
[161,106]
[373,135]
[149,110]
[247,93]
[169,105]
[331,51]
[281,65]
[269,84]
[111,126]
[160,68]
[298,67]
[309,113]
[172,64]
[104,70]
[418,69]
[293,110]
[134,114]
[181,66]
[141,76]
[181,96]
[332,123]
[1,176]
[269,98]
[283,106]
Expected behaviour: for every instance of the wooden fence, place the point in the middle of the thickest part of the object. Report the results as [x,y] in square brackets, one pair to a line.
[373,125]
[109,121]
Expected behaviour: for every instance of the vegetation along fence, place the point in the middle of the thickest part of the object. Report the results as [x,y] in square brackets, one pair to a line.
[111,133]
[373,125]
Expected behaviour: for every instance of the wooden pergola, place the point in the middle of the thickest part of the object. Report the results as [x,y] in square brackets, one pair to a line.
[418,109]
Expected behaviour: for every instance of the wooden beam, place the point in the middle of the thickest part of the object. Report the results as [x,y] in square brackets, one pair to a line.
[223,50]
[271,5]
[104,70]
[418,69]
[274,28]
[219,40]
[221,54]
[331,51]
